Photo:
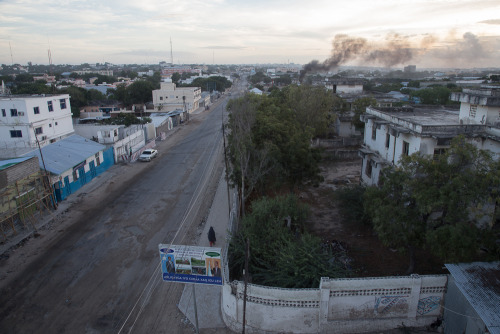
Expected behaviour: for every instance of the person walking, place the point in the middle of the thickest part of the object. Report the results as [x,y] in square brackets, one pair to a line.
[211,236]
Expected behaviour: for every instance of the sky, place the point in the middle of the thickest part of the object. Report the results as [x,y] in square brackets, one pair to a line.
[426,33]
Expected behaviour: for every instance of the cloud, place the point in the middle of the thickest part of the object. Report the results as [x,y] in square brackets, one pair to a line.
[496,22]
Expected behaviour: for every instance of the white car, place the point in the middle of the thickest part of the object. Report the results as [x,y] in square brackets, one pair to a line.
[148,154]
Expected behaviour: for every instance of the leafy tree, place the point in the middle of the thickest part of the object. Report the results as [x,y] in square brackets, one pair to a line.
[414,83]
[78,99]
[32,88]
[126,119]
[449,204]
[282,253]
[95,95]
[312,107]
[434,95]
[121,94]
[141,91]
[176,77]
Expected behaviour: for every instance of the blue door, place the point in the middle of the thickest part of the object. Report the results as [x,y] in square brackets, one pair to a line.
[67,186]
[92,169]
[81,173]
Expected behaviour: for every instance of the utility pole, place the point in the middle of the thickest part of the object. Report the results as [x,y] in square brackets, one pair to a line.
[247,255]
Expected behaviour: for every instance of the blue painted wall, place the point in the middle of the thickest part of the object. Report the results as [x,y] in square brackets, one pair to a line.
[63,190]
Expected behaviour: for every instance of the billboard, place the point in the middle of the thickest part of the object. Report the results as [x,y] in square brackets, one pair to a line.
[191,264]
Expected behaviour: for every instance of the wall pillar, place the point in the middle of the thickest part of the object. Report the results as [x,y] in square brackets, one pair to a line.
[324,300]
[416,284]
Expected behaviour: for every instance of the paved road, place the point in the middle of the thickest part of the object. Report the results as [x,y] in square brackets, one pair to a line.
[100,275]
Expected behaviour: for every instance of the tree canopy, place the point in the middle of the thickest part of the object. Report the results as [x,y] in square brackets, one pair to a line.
[282,253]
[270,137]
[448,203]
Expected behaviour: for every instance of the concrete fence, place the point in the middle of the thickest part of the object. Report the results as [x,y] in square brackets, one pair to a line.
[338,306]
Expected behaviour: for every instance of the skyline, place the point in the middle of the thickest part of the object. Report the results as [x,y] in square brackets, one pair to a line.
[391,33]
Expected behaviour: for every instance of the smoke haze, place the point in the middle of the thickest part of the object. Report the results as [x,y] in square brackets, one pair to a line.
[397,50]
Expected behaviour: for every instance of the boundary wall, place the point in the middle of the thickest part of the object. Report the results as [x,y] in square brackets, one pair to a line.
[338,306]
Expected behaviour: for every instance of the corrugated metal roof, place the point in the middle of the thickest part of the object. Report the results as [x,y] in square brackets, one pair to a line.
[67,153]
[10,162]
[480,284]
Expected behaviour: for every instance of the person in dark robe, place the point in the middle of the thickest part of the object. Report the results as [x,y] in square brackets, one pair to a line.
[211,236]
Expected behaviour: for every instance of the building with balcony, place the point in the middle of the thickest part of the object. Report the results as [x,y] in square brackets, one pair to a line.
[391,133]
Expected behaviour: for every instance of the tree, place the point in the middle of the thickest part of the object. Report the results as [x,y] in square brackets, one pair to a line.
[283,254]
[141,91]
[434,95]
[448,204]
[176,77]
[312,106]
[249,163]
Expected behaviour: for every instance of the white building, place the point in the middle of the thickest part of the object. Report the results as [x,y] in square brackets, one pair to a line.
[170,98]
[24,119]
[345,86]
[393,132]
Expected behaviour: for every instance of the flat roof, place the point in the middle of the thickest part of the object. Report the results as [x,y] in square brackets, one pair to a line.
[423,116]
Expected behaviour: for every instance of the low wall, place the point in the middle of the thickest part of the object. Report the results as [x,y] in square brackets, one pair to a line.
[338,306]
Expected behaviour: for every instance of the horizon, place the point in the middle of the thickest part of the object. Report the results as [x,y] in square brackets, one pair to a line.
[425,33]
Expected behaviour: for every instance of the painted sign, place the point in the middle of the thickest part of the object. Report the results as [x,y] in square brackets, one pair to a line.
[191,264]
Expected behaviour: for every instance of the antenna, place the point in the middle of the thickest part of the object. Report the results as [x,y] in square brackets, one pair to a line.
[171,53]
[11,57]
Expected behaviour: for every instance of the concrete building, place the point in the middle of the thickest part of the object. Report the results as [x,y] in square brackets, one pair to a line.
[99,110]
[345,86]
[393,132]
[28,118]
[73,162]
[170,98]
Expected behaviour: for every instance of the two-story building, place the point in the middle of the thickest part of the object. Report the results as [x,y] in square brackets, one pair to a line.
[29,120]
[391,133]
[170,97]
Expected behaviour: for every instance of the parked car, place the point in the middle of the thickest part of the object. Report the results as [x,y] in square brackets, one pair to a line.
[148,154]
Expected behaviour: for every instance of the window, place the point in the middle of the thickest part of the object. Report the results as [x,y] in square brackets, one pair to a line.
[50,125]
[49,104]
[62,102]
[56,123]
[36,110]
[38,131]
[97,159]
[368,168]
[4,114]
[16,134]
[438,152]
[387,140]
[161,98]
[75,175]
[473,110]
[374,132]
[13,112]
[406,148]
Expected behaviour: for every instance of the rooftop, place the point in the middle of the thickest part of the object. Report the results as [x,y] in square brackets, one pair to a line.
[479,282]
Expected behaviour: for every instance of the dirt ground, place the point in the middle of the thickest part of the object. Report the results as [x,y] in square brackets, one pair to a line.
[368,257]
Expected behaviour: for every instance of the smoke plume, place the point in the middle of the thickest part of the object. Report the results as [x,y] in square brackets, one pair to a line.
[396,50]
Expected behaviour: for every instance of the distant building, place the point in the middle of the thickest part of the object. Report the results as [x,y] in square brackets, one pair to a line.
[100,72]
[45,77]
[170,97]
[167,71]
[26,120]
[345,86]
